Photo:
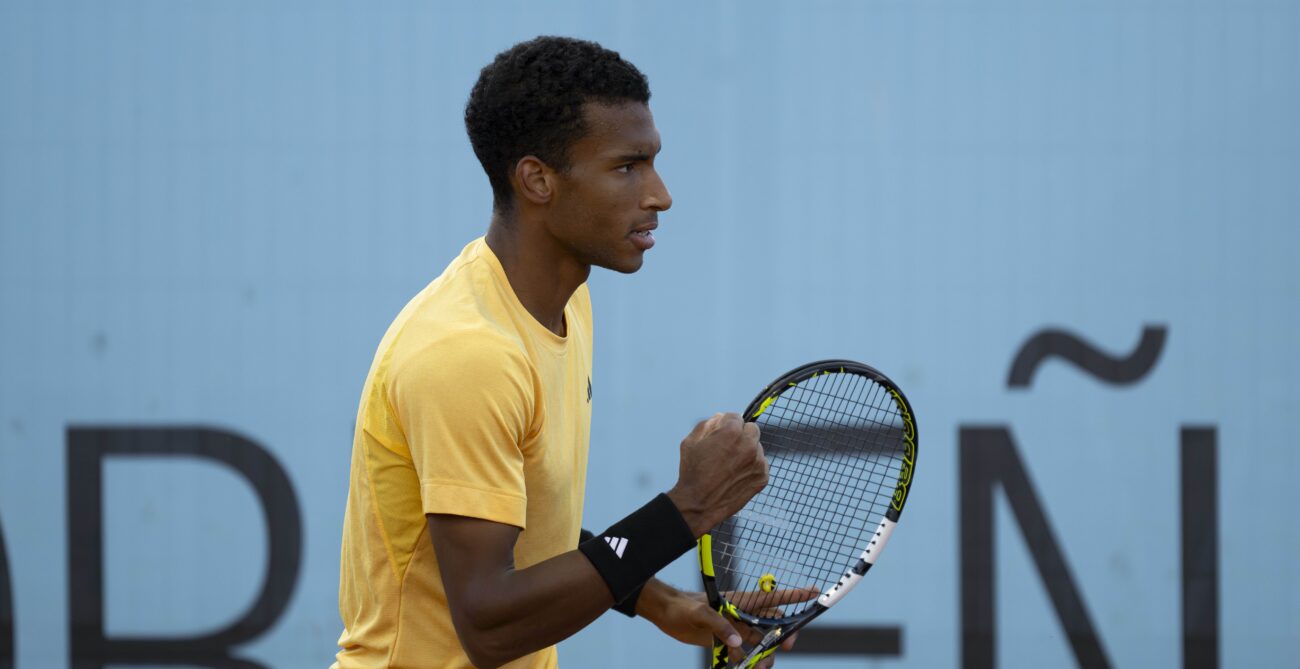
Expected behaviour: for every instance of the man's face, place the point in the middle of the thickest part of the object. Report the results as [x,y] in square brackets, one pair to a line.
[610,197]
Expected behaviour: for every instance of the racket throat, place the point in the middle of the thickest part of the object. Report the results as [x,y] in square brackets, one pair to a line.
[773,638]
[764,648]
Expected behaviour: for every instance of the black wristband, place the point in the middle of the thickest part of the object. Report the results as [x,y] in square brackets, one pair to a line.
[634,549]
[626,607]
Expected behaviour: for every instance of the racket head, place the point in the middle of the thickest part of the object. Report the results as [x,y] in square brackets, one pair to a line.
[841,442]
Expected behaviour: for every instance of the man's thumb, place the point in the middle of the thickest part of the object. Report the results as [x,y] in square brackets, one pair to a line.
[723,630]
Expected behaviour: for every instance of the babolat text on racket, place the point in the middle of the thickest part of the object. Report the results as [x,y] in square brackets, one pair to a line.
[840,440]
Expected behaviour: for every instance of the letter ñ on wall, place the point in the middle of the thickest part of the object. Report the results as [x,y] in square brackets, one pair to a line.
[988,458]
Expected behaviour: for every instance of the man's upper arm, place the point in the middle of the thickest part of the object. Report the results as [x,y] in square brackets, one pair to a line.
[474,557]
[471,553]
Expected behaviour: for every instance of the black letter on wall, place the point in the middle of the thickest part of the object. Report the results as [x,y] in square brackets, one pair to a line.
[6,611]
[988,457]
[1200,548]
[87,450]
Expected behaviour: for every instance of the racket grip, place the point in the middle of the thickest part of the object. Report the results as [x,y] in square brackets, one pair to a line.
[762,650]
[720,659]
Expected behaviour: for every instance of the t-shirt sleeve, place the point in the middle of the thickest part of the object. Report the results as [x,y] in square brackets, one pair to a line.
[466,404]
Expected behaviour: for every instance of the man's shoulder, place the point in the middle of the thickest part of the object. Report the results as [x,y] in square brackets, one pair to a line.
[460,306]
[456,360]
[465,345]
[453,322]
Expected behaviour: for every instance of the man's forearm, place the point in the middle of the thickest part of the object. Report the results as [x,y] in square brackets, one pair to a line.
[501,613]
[524,610]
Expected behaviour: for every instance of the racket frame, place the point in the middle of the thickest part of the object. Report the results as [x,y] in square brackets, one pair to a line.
[777,630]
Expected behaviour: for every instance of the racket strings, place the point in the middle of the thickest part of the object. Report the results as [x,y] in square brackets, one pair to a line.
[806,551]
[834,444]
[883,477]
[843,481]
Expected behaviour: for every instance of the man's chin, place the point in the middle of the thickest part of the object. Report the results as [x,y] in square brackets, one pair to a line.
[628,265]
[630,268]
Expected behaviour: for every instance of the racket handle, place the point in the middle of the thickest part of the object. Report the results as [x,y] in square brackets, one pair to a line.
[720,659]
[766,647]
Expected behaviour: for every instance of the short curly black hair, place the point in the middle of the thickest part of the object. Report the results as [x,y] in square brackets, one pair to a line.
[528,101]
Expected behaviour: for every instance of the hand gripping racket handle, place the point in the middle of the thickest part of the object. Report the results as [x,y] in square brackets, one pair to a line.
[764,648]
[768,645]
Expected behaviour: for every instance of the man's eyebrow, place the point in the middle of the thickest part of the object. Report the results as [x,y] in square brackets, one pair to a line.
[638,154]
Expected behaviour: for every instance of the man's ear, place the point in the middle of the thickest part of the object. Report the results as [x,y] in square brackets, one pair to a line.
[534,180]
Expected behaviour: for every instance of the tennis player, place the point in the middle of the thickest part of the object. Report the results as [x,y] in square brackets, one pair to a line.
[461,542]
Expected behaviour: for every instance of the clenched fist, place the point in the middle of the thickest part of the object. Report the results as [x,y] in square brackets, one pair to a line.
[722,467]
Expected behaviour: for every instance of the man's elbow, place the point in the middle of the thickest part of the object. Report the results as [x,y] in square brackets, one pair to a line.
[487,646]
[480,654]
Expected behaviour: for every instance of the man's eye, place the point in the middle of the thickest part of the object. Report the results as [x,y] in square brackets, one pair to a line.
[625,169]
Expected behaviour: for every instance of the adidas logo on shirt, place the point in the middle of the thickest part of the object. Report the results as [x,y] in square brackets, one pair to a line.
[618,544]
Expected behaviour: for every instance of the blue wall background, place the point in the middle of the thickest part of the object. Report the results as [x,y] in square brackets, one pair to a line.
[209,212]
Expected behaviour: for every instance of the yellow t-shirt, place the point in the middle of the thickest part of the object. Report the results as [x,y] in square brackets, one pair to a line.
[471,408]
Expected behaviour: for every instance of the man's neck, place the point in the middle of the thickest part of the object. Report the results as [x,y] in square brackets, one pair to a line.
[541,272]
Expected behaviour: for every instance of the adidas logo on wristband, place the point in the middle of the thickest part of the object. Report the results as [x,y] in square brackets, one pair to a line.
[618,544]
[661,536]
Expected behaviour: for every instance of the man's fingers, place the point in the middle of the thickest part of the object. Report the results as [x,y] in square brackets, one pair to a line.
[752,635]
[747,600]
[719,420]
[721,628]
[704,426]
[792,596]
[737,652]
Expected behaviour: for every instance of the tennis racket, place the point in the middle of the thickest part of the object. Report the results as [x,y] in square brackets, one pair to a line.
[840,440]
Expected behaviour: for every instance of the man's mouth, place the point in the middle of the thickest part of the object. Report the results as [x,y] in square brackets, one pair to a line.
[644,238]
